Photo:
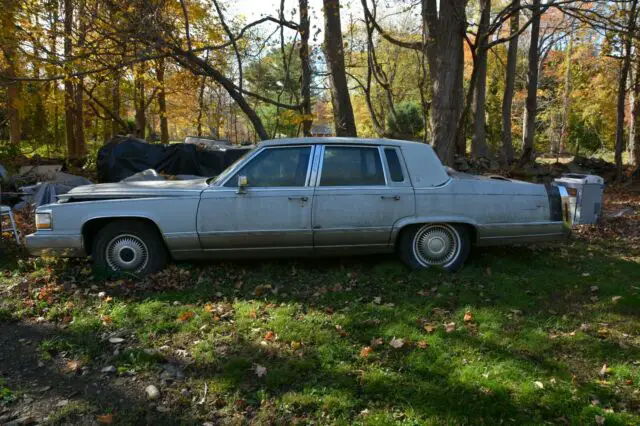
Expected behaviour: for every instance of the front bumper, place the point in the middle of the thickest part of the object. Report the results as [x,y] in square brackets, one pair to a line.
[49,244]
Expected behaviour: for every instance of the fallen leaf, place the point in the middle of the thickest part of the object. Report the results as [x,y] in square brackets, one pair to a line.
[376,342]
[615,299]
[185,316]
[340,330]
[422,344]
[108,299]
[270,336]
[450,327]
[105,419]
[260,370]
[106,320]
[396,343]
[468,317]
[209,307]
[539,385]
[594,288]
[599,420]
[295,345]
[366,351]
[429,328]
[73,366]
[377,300]
[603,371]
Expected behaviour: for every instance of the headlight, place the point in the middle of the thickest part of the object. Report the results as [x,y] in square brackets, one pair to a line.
[43,221]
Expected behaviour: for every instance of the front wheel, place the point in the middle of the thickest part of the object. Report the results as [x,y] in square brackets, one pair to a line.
[435,244]
[129,246]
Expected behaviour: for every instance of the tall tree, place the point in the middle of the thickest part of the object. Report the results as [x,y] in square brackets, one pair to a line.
[509,86]
[566,99]
[334,51]
[69,94]
[444,29]
[78,122]
[162,101]
[531,103]
[9,45]
[634,131]
[622,85]
[304,29]
[479,146]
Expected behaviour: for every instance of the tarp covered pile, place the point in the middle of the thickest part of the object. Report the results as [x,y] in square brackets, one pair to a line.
[125,156]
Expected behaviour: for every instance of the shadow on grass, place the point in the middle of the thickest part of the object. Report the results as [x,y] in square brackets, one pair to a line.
[523,292]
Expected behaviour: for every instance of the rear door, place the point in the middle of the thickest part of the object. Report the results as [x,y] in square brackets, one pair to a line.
[361,191]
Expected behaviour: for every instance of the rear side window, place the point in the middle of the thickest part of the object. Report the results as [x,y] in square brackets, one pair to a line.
[395,169]
[351,166]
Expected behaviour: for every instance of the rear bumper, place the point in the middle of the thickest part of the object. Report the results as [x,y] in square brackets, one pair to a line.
[40,244]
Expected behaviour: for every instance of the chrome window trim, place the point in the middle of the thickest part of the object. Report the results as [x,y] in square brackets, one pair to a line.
[382,163]
[315,170]
[406,180]
[264,148]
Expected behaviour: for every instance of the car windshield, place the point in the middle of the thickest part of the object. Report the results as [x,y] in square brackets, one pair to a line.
[226,172]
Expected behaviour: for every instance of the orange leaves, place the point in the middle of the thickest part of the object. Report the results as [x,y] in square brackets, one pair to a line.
[106,320]
[468,317]
[270,336]
[185,316]
[209,307]
[105,419]
[366,351]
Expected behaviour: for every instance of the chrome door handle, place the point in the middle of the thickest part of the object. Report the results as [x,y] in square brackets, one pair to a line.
[390,197]
[304,198]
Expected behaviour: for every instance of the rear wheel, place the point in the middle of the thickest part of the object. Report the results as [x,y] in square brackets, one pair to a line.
[129,246]
[435,245]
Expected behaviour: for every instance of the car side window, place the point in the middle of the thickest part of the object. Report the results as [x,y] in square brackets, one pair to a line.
[275,167]
[395,169]
[351,166]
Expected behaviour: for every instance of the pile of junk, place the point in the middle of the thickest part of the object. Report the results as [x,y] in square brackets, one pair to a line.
[123,158]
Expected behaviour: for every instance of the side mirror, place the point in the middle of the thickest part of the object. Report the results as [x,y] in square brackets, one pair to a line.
[243,183]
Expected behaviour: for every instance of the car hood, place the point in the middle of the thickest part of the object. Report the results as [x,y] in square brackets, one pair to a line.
[141,189]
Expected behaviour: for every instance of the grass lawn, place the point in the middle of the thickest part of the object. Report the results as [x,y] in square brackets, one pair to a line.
[522,335]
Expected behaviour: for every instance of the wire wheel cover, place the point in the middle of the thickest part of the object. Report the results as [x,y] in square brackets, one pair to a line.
[436,245]
[127,253]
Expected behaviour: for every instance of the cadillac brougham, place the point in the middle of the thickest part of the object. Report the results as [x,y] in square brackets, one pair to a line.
[295,197]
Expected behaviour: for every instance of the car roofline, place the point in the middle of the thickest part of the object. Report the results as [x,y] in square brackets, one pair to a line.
[335,141]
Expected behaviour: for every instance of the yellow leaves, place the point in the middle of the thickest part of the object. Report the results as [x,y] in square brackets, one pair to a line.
[209,307]
[468,317]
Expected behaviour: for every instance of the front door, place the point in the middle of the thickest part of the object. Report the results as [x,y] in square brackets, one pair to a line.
[273,214]
[358,199]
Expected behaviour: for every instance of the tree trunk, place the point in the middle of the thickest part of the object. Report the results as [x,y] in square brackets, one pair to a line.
[507,100]
[479,146]
[79,89]
[566,99]
[444,38]
[139,100]
[531,103]
[305,62]
[53,87]
[201,106]
[634,133]
[622,89]
[162,102]
[69,95]
[9,45]
[334,51]
[115,105]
